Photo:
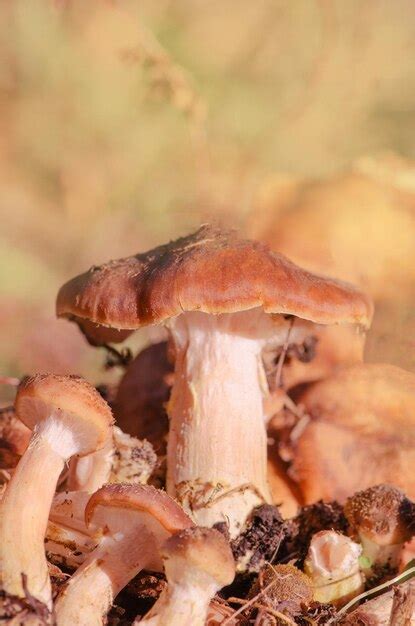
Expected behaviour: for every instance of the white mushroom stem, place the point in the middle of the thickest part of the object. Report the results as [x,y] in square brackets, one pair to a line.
[24,510]
[217,444]
[198,562]
[90,472]
[92,589]
[183,605]
[380,555]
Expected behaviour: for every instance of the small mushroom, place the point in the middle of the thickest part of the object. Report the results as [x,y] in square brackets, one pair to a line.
[137,520]
[68,418]
[283,588]
[198,562]
[333,565]
[383,519]
[361,433]
[223,299]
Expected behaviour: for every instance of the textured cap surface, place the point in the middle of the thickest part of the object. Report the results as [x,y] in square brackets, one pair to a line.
[143,498]
[382,513]
[205,549]
[211,271]
[71,397]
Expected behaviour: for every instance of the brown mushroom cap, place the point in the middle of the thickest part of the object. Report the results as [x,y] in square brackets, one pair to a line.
[323,224]
[206,549]
[143,498]
[361,432]
[97,335]
[76,402]
[211,271]
[287,585]
[381,513]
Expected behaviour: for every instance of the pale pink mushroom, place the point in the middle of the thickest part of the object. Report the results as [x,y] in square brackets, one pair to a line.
[138,519]
[68,418]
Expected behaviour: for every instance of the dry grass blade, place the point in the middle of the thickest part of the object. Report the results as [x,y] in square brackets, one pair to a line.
[403,577]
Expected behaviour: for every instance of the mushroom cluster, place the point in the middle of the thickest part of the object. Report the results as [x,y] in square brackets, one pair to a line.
[256,472]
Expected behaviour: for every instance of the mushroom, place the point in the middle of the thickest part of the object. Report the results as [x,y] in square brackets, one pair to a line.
[136,520]
[383,519]
[139,405]
[332,563]
[223,299]
[198,562]
[323,225]
[68,418]
[283,588]
[361,433]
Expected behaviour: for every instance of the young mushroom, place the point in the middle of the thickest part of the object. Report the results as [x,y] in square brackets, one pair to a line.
[383,519]
[332,563]
[283,588]
[198,562]
[136,520]
[223,300]
[68,418]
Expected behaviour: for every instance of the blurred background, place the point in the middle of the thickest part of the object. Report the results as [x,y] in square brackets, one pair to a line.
[125,124]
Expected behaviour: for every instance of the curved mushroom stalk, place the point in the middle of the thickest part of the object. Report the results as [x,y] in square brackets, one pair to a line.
[198,562]
[69,417]
[138,519]
[333,565]
[90,472]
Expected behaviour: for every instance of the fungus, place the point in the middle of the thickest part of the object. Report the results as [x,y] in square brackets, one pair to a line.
[198,562]
[332,563]
[137,520]
[223,299]
[382,518]
[68,417]
[361,433]
[283,588]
